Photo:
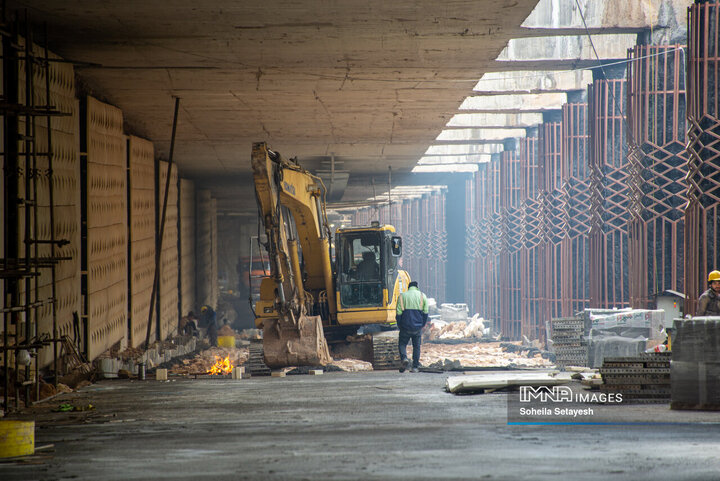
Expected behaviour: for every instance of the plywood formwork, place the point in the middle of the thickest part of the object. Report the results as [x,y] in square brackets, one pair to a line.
[656,114]
[702,217]
[609,280]
[59,80]
[106,221]
[168,288]
[141,237]
[206,249]
[576,186]
[187,246]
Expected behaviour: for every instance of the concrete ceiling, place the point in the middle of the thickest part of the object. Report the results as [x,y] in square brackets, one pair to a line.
[372,83]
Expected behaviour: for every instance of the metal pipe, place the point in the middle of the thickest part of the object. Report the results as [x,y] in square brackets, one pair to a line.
[159,240]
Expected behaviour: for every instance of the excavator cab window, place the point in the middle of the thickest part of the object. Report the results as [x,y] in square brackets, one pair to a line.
[360,261]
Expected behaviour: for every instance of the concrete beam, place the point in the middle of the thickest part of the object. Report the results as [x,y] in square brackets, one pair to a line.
[533,82]
[490,120]
[578,47]
[454,159]
[607,14]
[519,103]
[480,136]
[438,168]
[463,149]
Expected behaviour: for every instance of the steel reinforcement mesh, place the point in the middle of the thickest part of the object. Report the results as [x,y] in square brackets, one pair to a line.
[610,198]
[702,225]
[656,114]
[576,187]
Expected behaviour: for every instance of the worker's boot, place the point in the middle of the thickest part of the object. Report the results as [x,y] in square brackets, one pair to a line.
[404,365]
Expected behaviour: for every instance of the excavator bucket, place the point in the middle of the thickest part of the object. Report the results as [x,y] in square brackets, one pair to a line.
[288,344]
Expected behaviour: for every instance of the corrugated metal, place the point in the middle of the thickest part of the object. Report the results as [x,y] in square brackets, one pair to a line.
[141,224]
[106,218]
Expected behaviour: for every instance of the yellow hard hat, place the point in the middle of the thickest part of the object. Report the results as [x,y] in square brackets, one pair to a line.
[205,308]
[714,276]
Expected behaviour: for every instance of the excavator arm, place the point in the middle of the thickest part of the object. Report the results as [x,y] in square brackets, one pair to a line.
[293,213]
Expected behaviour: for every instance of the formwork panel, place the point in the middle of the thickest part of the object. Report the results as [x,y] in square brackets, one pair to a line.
[106,220]
[65,178]
[141,166]
[656,114]
[168,292]
[187,246]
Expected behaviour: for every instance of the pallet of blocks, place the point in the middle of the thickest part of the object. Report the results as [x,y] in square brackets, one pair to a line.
[695,370]
[640,379]
[569,339]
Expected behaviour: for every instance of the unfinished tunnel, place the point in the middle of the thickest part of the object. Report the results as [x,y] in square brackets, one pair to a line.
[540,162]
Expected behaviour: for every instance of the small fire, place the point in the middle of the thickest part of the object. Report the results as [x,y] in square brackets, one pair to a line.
[221,366]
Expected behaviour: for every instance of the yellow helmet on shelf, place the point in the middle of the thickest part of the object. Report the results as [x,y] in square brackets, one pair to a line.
[714,276]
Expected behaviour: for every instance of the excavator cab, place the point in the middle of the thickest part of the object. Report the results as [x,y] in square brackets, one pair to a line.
[367,272]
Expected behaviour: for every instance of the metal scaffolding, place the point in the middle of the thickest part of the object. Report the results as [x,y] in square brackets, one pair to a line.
[29,248]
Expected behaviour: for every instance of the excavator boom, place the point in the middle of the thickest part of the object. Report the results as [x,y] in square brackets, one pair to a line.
[293,213]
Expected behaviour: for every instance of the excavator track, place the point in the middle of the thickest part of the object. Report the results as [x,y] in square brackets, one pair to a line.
[385,351]
[255,365]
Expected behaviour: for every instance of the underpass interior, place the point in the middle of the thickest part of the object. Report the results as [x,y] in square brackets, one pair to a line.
[543,162]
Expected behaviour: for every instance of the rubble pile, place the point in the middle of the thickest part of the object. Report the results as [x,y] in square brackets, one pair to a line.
[440,330]
[351,365]
[202,361]
[481,354]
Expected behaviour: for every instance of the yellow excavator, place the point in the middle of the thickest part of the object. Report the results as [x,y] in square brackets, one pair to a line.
[308,295]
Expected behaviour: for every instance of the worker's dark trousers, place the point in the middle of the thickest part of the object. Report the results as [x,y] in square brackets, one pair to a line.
[403,339]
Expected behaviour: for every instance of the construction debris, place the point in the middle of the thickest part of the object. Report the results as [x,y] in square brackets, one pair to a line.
[351,365]
[441,330]
[204,360]
[494,381]
[481,354]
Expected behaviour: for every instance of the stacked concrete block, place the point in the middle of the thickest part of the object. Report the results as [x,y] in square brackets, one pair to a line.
[168,288]
[695,366]
[187,246]
[141,226]
[106,223]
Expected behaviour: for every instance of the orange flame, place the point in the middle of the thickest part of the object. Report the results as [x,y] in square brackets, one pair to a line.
[221,366]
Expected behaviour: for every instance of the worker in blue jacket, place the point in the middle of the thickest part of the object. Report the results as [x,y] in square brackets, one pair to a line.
[411,315]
